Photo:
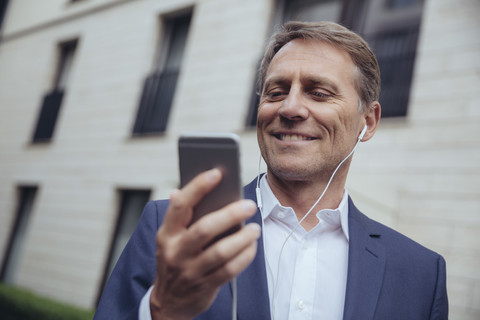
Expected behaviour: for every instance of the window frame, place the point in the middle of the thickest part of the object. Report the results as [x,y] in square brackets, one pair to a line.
[52,100]
[159,87]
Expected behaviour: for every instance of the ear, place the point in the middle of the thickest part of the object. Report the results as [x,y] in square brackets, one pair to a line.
[372,119]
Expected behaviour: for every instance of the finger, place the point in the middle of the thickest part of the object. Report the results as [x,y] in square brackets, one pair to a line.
[210,226]
[225,250]
[234,266]
[180,210]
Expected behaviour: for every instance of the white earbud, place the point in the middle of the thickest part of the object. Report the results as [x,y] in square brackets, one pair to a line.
[360,137]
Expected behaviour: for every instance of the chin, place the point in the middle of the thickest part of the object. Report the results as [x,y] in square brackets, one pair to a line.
[291,173]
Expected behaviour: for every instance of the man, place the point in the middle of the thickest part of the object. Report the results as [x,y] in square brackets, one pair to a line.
[319,87]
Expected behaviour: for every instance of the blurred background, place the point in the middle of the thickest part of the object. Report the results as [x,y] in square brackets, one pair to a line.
[94,93]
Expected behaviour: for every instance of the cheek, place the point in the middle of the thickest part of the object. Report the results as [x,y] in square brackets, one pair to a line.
[266,112]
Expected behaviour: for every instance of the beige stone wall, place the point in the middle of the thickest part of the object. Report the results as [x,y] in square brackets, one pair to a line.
[419,175]
[92,153]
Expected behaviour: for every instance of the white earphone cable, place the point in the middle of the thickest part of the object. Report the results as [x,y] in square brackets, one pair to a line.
[260,205]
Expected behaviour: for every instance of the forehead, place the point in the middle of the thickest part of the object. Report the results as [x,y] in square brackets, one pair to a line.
[312,58]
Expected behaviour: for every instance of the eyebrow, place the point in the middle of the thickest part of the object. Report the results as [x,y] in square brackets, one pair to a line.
[276,80]
[323,82]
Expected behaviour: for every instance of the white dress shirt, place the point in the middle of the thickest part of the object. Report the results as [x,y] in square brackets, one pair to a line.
[308,280]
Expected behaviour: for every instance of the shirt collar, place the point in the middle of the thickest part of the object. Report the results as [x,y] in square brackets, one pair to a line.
[333,216]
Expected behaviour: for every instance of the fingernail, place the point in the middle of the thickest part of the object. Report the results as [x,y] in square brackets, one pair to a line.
[254,226]
[249,205]
[213,174]
[174,193]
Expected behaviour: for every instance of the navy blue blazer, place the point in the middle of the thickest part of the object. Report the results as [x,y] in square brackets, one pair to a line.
[389,276]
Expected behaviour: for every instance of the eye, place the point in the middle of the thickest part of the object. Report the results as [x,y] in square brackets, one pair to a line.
[275,94]
[321,95]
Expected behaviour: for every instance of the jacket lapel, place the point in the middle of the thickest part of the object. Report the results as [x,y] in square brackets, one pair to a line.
[366,266]
[252,288]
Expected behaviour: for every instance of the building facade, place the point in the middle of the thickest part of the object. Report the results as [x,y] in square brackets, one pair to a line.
[94,94]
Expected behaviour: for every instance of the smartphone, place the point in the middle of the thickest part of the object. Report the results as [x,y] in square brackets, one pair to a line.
[199,152]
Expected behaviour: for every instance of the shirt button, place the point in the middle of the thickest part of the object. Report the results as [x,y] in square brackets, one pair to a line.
[301,305]
[281,215]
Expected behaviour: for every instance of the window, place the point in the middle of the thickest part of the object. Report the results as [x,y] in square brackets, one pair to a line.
[159,87]
[13,255]
[391,28]
[131,207]
[53,99]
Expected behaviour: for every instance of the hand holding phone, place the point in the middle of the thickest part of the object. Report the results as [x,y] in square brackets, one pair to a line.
[191,264]
[189,271]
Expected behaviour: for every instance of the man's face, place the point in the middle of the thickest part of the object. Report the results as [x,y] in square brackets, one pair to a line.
[308,118]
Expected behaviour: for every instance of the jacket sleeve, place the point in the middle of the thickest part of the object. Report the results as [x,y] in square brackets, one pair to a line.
[135,270]
[440,300]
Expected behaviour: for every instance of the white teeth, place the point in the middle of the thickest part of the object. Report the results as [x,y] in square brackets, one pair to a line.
[293,137]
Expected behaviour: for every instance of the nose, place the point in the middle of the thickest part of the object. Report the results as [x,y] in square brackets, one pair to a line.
[294,107]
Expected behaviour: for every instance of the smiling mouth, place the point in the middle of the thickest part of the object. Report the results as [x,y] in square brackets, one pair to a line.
[292,137]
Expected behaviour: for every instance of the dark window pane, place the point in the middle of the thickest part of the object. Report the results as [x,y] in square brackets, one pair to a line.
[394,4]
[312,10]
[396,56]
[159,87]
[18,233]
[67,51]
[131,207]
[391,28]
[157,97]
[52,101]
[3,9]
[178,40]
[48,116]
